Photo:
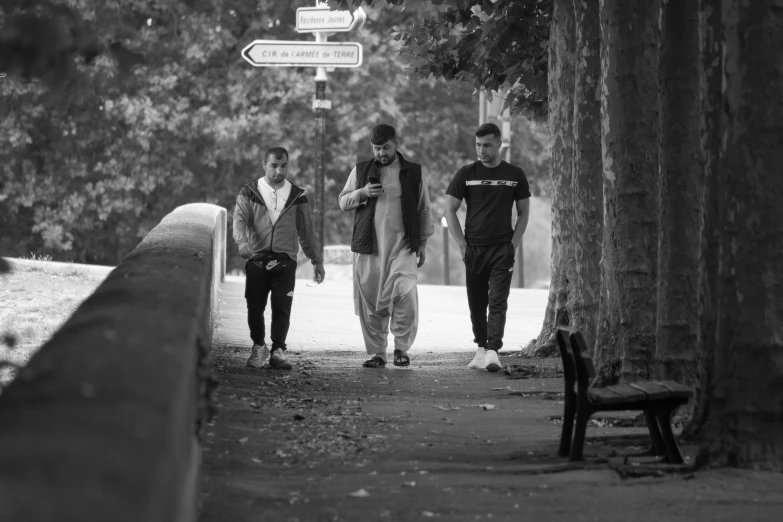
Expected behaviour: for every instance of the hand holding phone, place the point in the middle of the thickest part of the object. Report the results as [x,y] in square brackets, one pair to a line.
[373,188]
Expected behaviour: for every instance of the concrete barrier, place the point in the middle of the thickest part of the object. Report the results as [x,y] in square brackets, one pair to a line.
[104,422]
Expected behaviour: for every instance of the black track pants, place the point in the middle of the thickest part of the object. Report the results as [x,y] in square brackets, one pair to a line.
[489,270]
[279,280]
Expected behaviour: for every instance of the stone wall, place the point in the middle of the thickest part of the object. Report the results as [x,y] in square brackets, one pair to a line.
[104,422]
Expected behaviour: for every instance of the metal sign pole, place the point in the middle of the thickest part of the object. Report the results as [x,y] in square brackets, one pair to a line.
[445,226]
[505,120]
[321,21]
[321,106]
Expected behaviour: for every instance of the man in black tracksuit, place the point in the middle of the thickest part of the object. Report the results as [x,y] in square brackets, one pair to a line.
[491,188]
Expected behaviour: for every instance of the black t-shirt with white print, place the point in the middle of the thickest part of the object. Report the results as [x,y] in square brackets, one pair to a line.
[490,194]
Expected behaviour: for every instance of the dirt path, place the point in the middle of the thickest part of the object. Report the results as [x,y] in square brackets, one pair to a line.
[331,441]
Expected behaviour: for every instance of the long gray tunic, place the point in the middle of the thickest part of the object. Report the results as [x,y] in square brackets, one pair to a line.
[378,279]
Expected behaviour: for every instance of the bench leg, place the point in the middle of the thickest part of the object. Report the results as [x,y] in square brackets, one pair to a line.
[658,444]
[577,446]
[569,410]
[673,455]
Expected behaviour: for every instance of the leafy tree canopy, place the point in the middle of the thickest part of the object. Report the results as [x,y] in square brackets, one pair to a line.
[156,108]
[44,40]
[492,44]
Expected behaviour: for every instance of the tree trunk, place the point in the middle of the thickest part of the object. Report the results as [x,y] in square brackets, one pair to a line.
[629,112]
[744,427]
[561,116]
[588,181]
[710,70]
[681,194]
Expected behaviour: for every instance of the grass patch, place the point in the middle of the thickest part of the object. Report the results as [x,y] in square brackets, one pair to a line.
[34,303]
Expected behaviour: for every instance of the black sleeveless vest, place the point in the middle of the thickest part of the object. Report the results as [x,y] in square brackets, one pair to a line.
[364,240]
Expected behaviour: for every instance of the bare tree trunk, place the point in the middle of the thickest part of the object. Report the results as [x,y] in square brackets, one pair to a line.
[630,34]
[744,426]
[561,115]
[588,174]
[681,194]
[710,36]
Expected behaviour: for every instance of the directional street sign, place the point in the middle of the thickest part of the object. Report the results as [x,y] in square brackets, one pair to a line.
[280,53]
[322,19]
[321,22]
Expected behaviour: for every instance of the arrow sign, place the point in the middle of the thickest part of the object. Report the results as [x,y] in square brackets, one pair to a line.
[315,19]
[280,53]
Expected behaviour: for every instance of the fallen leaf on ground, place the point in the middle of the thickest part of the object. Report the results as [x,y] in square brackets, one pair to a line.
[243,440]
[361,493]
[528,371]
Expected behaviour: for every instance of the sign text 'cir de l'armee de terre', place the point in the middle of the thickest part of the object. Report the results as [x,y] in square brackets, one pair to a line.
[280,53]
[315,19]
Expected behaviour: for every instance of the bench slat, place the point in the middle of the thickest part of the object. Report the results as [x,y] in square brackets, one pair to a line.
[652,389]
[589,365]
[677,390]
[616,394]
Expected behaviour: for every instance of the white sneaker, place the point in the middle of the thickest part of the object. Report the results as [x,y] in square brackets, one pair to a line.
[259,356]
[493,363]
[478,359]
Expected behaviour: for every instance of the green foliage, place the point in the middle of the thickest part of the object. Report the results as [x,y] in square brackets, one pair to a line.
[91,166]
[491,44]
[45,40]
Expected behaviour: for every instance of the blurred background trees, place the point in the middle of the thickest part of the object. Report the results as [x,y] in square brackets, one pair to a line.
[153,107]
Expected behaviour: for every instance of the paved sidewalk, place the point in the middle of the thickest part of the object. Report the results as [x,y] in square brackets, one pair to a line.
[323,317]
[331,441]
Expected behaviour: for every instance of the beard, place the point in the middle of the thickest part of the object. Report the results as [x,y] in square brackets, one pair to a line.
[384,160]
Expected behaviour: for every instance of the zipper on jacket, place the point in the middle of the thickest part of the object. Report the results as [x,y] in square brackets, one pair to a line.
[272,239]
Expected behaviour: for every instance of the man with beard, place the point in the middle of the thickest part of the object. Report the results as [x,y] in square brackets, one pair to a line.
[271,220]
[391,209]
[491,188]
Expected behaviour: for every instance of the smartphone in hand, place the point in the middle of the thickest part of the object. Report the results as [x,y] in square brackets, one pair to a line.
[375,180]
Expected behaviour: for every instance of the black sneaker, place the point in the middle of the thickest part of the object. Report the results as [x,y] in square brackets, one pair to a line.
[278,362]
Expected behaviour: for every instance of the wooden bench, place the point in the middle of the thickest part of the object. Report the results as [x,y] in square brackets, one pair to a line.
[657,399]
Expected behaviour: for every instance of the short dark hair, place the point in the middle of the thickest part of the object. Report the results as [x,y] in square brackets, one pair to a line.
[277,152]
[382,133]
[487,129]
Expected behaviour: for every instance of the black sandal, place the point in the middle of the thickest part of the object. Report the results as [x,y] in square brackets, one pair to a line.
[374,362]
[401,358]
